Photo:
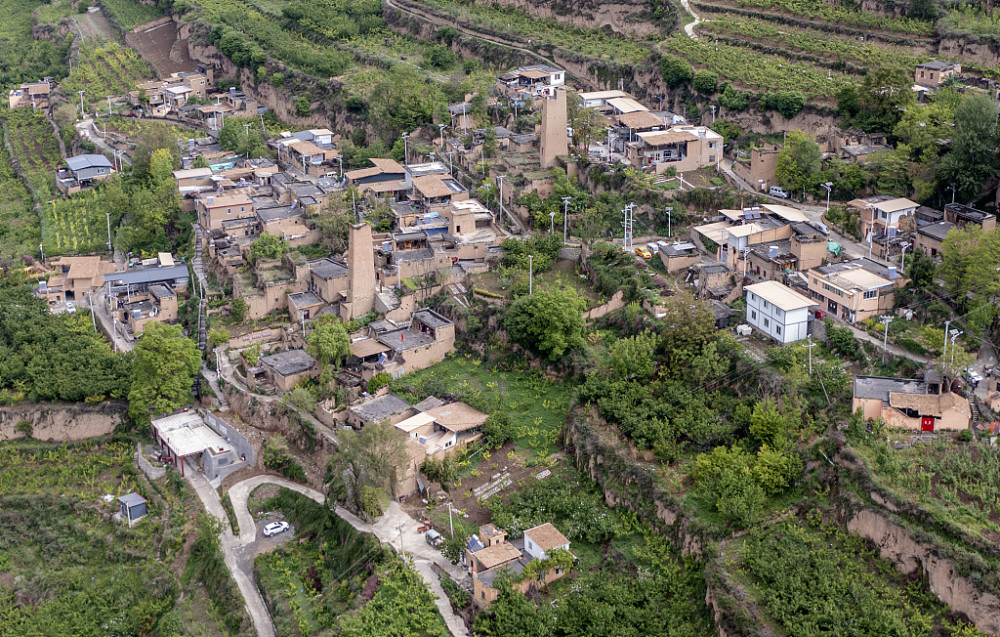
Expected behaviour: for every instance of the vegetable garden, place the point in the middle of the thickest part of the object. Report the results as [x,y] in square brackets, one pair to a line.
[20,232]
[34,150]
[74,225]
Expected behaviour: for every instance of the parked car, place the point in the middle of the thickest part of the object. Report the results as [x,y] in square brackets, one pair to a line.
[820,314]
[433,537]
[644,252]
[973,376]
[776,191]
[275,528]
[819,225]
[70,308]
[652,247]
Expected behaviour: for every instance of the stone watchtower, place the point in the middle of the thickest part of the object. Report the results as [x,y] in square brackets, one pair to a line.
[553,141]
[360,273]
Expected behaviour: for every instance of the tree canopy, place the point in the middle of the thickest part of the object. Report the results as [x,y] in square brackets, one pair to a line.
[329,341]
[549,322]
[163,374]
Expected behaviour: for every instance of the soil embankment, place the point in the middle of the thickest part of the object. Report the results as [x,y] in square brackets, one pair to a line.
[60,422]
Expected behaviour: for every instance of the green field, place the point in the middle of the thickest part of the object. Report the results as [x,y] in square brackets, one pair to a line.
[537,406]
[34,149]
[68,568]
[110,69]
[20,232]
[74,225]
[129,13]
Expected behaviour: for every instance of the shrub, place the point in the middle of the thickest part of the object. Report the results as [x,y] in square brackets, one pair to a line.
[705,82]
[378,381]
[734,100]
[676,72]
[276,457]
[788,103]
[302,107]
[498,429]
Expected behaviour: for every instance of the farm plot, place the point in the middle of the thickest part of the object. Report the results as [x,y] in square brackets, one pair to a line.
[130,13]
[34,150]
[836,14]
[19,229]
[106,70]
[134,128]
[74,225]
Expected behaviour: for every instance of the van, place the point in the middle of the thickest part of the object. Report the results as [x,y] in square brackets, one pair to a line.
[653,248]
[776,191]
[433,537]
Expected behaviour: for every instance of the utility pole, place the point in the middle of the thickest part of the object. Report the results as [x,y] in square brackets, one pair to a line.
[954,335]
[668,210]
[405,149]
[450,525]
[246,130]
[944,351]
[531,274]
[83,115]
[441,128]
[552,221]
[565,201]
[41,250]
[451,166]
[809,347]
[712,108]
[108,215]
[500,179]
[886,319]
[828,186]
[93,321]
[109,112]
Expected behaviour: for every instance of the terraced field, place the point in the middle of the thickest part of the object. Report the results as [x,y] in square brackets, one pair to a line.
[105,70]
[34,150]
[75,225]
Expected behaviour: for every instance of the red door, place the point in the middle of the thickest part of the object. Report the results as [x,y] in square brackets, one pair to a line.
[927,423]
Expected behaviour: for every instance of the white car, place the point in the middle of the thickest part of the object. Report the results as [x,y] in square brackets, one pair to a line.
[70,308]
[973,376]
[275,528]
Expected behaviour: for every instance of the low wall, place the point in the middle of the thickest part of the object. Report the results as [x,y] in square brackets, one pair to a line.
[617,302]
[61,422]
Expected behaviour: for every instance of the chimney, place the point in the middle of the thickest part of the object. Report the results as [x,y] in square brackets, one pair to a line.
[553,139]
[360,271]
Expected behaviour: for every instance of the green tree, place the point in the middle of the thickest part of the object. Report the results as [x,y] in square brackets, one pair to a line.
[786,102]
[799,162]
[498,429]
[217,338]
[688,325]
[676,71]
[267,247]
[163,373]
[920,270]
[329,341]
[372,457]
[705,82]
[161,166]
[587,125]
[767,424]
[634,356]
[549,322]
[972,162]
[238,310]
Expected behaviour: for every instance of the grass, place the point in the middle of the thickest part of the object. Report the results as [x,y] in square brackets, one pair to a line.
[537,406]
[20,232]
[135,128]
[71,569]
[109,69]
[130,13]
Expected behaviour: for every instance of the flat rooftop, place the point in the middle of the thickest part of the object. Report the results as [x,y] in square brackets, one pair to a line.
[186,433]
[293,361]
[378,409]
[881,386]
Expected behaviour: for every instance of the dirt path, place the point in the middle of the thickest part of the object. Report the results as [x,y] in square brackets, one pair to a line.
[93,25]
[689,27]
[395,528]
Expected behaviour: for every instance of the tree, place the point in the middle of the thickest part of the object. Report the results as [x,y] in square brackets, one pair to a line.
[688,325]
[767,424]
[920,270]
[217,338]
[237,137]
[267,247]
[676,71]
[799,162]
[372,457]
[885,93]
[634,356]
[238,310]
[163,373]
[972,161]
[787,102]
[498,429]
[161,166]
[329,341]
[548,322]
[705,82]
[587,125]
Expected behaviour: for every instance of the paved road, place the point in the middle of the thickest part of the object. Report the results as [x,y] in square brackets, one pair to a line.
[396,528]
[100,310]
[689,27]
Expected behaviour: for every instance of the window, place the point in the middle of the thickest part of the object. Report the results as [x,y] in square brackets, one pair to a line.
[767,322]
[779,329]
[753,314]
[483,593]
[871,294]
[881,214]
[458,229]
[750,295]
[766,305]
[711,159]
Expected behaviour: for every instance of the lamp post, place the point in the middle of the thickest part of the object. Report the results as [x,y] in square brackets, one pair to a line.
[886,319]
[441,128]
[668,210]
[405,153]
[552,221]
[451,167]
[83,115]
[954,335]
[951,187]
[828,186]
[902,257]
[712,108]
[108,215]
[340,161]
[809,347]
[871,231]
[565,201]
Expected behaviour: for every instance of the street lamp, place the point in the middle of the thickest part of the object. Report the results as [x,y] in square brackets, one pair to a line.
[451,166]
[340,160]
[109,106]
[902,256]
[951,187]
[828,186]
[500,179]
[552,221]
[668,210]
[712,108]
[441,128]
[83,115]
[405,154]
[565,201]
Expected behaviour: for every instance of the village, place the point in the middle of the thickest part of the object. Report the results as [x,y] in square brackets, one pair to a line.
[347,311]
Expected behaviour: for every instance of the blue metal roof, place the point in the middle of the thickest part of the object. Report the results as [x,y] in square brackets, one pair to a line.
[145,276]
[80,162]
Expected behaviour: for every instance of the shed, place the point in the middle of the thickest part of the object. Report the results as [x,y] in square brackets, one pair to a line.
[133,507]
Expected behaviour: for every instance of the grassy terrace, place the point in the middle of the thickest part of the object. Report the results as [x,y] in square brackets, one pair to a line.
[536,405]
[812,578]
[835,14]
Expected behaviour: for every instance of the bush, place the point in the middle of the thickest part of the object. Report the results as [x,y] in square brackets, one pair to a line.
[788,103]
[966,435]
[705,82]
[676,71]
[734,100]
[498,429]
[378,381]
[302,107]
[277,458]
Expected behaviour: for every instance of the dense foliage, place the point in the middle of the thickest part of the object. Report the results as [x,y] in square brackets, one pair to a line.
[547,322]
[46,357]
[163,374]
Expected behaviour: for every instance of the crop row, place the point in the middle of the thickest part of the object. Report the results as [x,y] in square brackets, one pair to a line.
[74,225]
[130,14]
[103,71]
[756,70]
[838,14]
[821,44]
[32,141]
[58,469]
[504,20]
[972,20]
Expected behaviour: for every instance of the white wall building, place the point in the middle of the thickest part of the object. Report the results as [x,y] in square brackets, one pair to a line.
[542,539]
[778,311]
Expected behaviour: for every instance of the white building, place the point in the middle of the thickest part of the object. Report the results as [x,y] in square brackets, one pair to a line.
[540,540]
[778,311]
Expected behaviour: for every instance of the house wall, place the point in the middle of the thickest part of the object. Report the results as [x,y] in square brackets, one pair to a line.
[784,327]
[929,245]
[676,264]
[949,421]
[423,357]
[287,383]
[871,408]
[810,253]
[761,167]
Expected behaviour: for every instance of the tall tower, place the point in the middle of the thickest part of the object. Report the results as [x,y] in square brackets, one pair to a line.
[360,272]
[553,141]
